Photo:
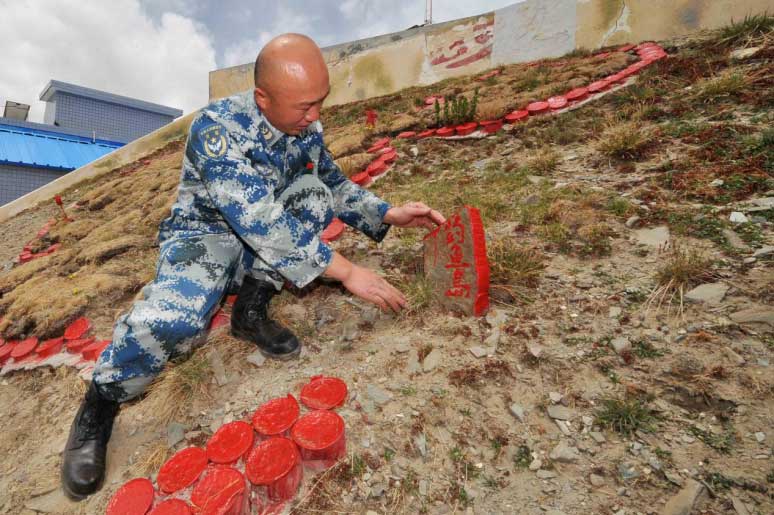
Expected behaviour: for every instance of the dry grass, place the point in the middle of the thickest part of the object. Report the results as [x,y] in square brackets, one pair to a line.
[152,460]
[682,270]
[354,163]
[625,140]
[342,143]
[545,161]
[493,109]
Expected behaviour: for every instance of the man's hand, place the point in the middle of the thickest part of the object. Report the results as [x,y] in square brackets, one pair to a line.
[365,284]
[413,214]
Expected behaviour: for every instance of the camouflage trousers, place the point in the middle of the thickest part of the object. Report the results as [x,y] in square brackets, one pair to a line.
[192,276]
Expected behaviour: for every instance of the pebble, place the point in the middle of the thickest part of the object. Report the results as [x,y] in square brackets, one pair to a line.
[432,360]
[545,474]
[596,481]
[564,453]
[711,293]
[682,503]
[536,464]
[555,397]
[517,411]
[621,345]
[559,412]
[737,217]
[614,312]
[597,436]
[628,471]
[175,433]
[632,221]
[760,436]
[256,358]
[480,352]
[378,395]
[766,250]
[422,487]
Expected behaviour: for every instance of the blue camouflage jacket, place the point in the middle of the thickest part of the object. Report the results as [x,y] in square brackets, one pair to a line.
[234,166]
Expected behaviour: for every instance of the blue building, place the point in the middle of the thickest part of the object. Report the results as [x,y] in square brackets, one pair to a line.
[80,125]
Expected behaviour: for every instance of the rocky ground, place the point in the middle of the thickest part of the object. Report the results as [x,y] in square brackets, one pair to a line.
[629,341]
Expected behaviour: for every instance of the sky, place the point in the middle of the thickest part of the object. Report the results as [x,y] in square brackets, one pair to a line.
[163,50]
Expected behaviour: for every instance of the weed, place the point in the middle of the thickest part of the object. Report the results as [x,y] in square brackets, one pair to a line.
[357,465]
[751,234]
[545,161]
[514,265]
[456,110]
[619,206]
[389,454]
[624,141]
[644,349]
[702,225]
[770,476]
[408,390]
[682,269]
[456,455]
[662,454]
[595,240]
[720,87]
[737,33]
[522,457]
[465,412]
[625,416]
[720,442]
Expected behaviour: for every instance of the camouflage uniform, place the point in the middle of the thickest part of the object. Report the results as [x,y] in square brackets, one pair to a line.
[251,200]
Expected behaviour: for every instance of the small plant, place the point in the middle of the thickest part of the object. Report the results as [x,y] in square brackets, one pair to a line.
[624,141]
[545,161]
[389,454]
[739,32]
[682,270]
[723,86]
[720,442]
[456,455]
[522,457]
[644,349]
[625,416]
[456,110]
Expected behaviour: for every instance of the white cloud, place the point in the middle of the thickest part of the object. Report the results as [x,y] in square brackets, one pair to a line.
[245,51]
[112,46]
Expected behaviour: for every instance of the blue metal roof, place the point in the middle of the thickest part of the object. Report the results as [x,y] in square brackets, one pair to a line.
[22,146]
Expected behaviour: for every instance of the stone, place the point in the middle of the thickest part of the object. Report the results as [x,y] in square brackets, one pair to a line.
[481,352]
[739,506]
[654,237]
[535,350]
[402,348]
[737,217]
[673,478]
[432,360]
[420,442]
[175,433]
[555,397]
[413,366]
[54,501]
[628,470]
[764,251]
[614,312]
[536,464]
[710,293]
[455,263]
[218,369]
[621,345]
[564,453]
[597,436]
[760,436]
[735,240]
[559,412]
[422,487]
[762,315]
[517,411]
[632,221]
[682,503]
[744,53]
[256,358]
[717,183]
[545,474]
[531,200]
[378,395]
[596,480]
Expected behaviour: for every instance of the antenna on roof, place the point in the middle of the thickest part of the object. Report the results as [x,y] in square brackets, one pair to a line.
[429,12]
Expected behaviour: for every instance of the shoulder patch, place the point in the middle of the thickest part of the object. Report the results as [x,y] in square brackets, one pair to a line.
[213,140]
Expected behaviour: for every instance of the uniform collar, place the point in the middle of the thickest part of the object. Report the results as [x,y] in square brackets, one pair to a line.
[269,132]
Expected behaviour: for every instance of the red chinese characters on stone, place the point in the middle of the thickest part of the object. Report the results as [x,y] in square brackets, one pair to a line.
[455,238]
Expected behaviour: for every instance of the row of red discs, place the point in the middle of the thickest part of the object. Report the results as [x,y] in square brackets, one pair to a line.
[74,341]
[648,52]
[27,255]
[247,467]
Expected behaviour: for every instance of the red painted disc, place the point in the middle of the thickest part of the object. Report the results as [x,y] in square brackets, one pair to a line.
[466,128]
[172,507]
[219,319]
[388,157]
[379,144]
[515,116]
[406,135]
[323,392]
[271,459]
[431,100]
[24,347]
[646,44]
[361,178]
[596,87]
[334,231]
[626,48]
[77,329]
[76,346]
[537,107]
[217,487]
[445,132]
[5,352]
[182,469]
[378,167]
[135,497]
[50,347]
[426,134]
[318,430]
[492,126]
[557,102]
[230,442]
[276,416]
[576,94]
[92,351]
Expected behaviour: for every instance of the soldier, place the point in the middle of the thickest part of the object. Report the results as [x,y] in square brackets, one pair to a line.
[257,188]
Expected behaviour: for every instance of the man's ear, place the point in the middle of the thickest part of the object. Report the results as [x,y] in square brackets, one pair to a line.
[261,98]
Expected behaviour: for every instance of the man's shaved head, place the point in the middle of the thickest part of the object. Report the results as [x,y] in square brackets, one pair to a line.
[291,82]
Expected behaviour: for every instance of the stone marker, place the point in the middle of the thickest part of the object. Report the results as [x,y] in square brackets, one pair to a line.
[682,503]
[711,293]
[456,264]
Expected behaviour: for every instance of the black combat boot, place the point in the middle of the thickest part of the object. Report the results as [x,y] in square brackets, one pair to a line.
[83,462]
[250,321]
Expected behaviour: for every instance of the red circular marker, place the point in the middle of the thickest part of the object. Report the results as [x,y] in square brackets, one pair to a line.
[271,460]
[445,132]
[537,107]
[24,348]
[92,351]
[276,416]
[218,487]
[323,392]
[492,126]
[516,116]
[576,94]
[388,157]
[379,144]
[135,497]
[318,430]
[334,231]
[596,87]
[181,470]
[431,100]
[230,442]
[557,102]
[50,347]
[361,178]
[378,167]
[626,48]
[76,346]
[646,44]
[77,329]
[406,135]
[5,352]
[426,134]
[172,507]
[466,128]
